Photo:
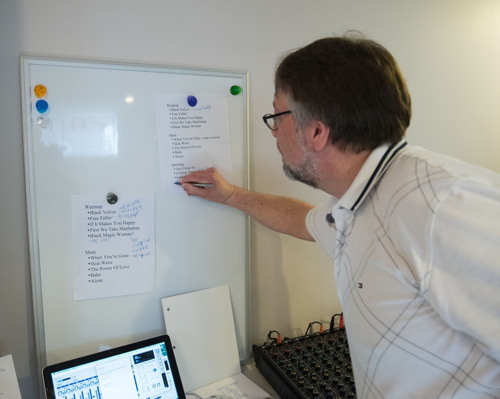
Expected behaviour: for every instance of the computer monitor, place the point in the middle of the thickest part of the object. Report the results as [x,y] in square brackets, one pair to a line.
[145,369]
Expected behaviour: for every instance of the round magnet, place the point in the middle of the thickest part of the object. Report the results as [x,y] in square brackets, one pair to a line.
[43,122]
[42,106]
[112,198]
[235,90]
[40,91]
[192,101]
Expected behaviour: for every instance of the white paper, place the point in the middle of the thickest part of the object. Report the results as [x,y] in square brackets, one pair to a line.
[9,387]
[192,137]
[113,246]
[201,327]
[235,387]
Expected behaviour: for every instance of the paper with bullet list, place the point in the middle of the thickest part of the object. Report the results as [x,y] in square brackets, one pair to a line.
[193,134]
[113,246]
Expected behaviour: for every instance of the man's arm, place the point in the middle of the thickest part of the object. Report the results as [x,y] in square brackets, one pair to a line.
[282,214]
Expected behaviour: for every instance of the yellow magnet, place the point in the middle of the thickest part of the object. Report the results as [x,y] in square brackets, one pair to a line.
[40,91]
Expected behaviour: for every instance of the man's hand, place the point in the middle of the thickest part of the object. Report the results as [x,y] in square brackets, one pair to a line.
[220,192]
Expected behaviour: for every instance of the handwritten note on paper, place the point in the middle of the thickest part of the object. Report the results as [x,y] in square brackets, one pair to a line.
[9,387]
[113,246]
[193,134]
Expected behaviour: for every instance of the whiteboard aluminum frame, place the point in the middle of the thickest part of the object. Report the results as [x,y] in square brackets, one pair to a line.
[26,62]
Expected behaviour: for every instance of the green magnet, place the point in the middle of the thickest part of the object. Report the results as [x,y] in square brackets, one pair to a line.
[235,90]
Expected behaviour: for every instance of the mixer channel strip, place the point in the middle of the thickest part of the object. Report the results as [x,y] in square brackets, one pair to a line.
[312,366]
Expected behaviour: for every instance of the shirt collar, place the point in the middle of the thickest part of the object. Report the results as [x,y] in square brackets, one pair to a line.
[369,174]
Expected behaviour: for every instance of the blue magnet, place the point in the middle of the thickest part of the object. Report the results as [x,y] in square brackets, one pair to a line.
[192,101]
[42,106]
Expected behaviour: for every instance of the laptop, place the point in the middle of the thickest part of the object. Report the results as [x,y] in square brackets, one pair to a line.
[142,370]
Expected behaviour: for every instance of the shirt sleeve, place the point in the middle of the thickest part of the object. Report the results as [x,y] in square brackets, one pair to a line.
[463,284]
[322,232]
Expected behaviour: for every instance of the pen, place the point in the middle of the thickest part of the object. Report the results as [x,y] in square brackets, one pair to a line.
[201,185]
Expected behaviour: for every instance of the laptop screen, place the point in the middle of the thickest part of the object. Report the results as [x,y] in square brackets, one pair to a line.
[145,369]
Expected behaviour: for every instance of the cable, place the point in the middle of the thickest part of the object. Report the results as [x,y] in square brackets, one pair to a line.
[311,324]
[340,323]
[277,339]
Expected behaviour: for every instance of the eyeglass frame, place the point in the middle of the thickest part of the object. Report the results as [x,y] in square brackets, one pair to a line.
[266,118]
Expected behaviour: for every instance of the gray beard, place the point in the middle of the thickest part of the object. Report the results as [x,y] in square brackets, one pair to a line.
[303,174]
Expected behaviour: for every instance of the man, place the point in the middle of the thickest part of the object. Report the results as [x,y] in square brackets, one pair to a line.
[414,235]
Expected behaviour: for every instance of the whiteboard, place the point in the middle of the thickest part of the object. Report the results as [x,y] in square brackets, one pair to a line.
[198,244]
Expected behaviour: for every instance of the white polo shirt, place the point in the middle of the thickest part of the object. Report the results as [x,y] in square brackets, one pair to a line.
[416,250]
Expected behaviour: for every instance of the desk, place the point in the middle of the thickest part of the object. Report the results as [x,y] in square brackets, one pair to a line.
[252,372]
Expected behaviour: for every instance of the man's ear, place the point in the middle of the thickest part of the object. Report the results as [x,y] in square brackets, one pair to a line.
[318,136]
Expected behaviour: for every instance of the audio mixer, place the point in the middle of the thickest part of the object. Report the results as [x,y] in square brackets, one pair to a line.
[314,366]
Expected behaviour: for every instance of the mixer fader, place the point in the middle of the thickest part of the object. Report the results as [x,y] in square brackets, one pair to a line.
[311,366]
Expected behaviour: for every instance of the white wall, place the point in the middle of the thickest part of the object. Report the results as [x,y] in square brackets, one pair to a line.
[449,51]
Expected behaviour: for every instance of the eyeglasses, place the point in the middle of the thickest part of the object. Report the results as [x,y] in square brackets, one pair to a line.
[271,121]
